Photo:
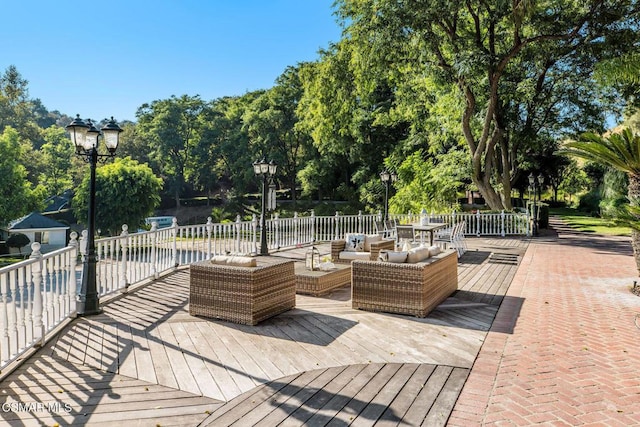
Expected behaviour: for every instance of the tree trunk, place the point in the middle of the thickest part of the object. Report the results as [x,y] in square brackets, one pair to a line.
[633,193]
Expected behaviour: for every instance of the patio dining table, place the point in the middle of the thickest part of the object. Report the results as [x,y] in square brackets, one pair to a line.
[429,228]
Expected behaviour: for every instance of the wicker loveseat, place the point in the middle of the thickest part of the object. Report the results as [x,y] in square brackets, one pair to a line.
[405,288]
[371,247]
[242,294]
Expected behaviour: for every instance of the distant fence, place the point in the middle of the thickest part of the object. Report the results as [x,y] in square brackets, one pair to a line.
[39,293]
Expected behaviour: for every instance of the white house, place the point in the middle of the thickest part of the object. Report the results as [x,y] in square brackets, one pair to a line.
[49,233]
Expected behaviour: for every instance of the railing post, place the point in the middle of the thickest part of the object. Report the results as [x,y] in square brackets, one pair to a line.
[336,219]
[502,217]
[72,280]
[209,228]
[360,223]
[83,244]
[254,232]
[124,248]
[312,221]
[478,223]
[174,233]
[296,228]
[152,255]
[276,230]
[36,275]
[238,234]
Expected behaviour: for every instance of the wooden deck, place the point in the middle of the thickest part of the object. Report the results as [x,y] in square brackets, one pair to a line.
[147,362]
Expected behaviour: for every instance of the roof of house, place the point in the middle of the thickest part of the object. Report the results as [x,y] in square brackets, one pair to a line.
[35,220]
[56,203]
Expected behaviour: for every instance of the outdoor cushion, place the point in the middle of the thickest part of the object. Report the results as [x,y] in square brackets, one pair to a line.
[354,255]
[391,256]
[236,261]
[418,254]
[434,250]
[354,243]
[369,239]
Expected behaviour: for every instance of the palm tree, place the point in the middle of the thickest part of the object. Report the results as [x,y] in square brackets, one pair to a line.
[622,152]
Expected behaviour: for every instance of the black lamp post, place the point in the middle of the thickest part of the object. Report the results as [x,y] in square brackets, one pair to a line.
[266,171]
[535,185]
[85,136]
[387,178]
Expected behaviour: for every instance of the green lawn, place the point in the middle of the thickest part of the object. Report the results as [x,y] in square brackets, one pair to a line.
[584,222]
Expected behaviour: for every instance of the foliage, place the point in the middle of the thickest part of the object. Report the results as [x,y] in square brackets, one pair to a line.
[574,180]
[270,122]
[171,128]
[57,152]
[17,195]
[614,194]
[511,74]
[431,184]
[126,193]
[18,241]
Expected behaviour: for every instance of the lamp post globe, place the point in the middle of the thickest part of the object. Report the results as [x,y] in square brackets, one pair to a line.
[86,137]
[266,171]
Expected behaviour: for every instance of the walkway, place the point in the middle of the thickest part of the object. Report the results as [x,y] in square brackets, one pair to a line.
[569,354]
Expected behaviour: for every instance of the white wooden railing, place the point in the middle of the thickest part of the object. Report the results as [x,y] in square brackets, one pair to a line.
[39,293]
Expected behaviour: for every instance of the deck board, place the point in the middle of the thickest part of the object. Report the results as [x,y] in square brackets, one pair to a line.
[147,361]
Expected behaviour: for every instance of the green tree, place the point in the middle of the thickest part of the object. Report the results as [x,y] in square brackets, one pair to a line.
[17,195]
[126,193]
[16,109]
[509,72]
[171,128]
[18,241]
[620,151]
[57,154]
[574,179]
[271,125]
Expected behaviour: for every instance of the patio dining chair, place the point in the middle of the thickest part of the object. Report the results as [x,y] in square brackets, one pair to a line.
[386,233]
[453,238]
[405,234]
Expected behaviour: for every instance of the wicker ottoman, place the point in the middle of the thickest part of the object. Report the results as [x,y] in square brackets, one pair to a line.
[245,295]
[319,282]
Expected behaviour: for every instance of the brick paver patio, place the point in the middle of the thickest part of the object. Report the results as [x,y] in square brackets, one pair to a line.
[564,348]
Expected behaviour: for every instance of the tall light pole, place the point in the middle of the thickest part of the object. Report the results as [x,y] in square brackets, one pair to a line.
[266,171]
[535,185]
[85,136]
[387,178]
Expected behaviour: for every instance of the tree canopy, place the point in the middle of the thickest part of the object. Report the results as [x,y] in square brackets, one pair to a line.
[510,72]
[126,193]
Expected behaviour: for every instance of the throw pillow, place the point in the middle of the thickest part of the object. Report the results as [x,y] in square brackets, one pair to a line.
[354,243]
[434,250]
[369,239]
[418,254]
[392,256]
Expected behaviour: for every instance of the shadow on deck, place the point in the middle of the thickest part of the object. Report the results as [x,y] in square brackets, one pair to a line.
[146,360]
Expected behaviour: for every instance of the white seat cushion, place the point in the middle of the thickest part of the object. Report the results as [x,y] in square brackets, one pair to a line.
[363,256]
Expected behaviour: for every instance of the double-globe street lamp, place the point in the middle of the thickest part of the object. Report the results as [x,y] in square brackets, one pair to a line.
[535,185]
[387,178]
[266,171]
[85,136]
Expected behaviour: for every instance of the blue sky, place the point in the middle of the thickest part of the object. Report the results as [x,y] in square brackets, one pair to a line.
[102,59]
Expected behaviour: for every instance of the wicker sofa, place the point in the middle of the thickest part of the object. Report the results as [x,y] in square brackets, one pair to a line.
[404,288]
[371,248]
[240,294]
